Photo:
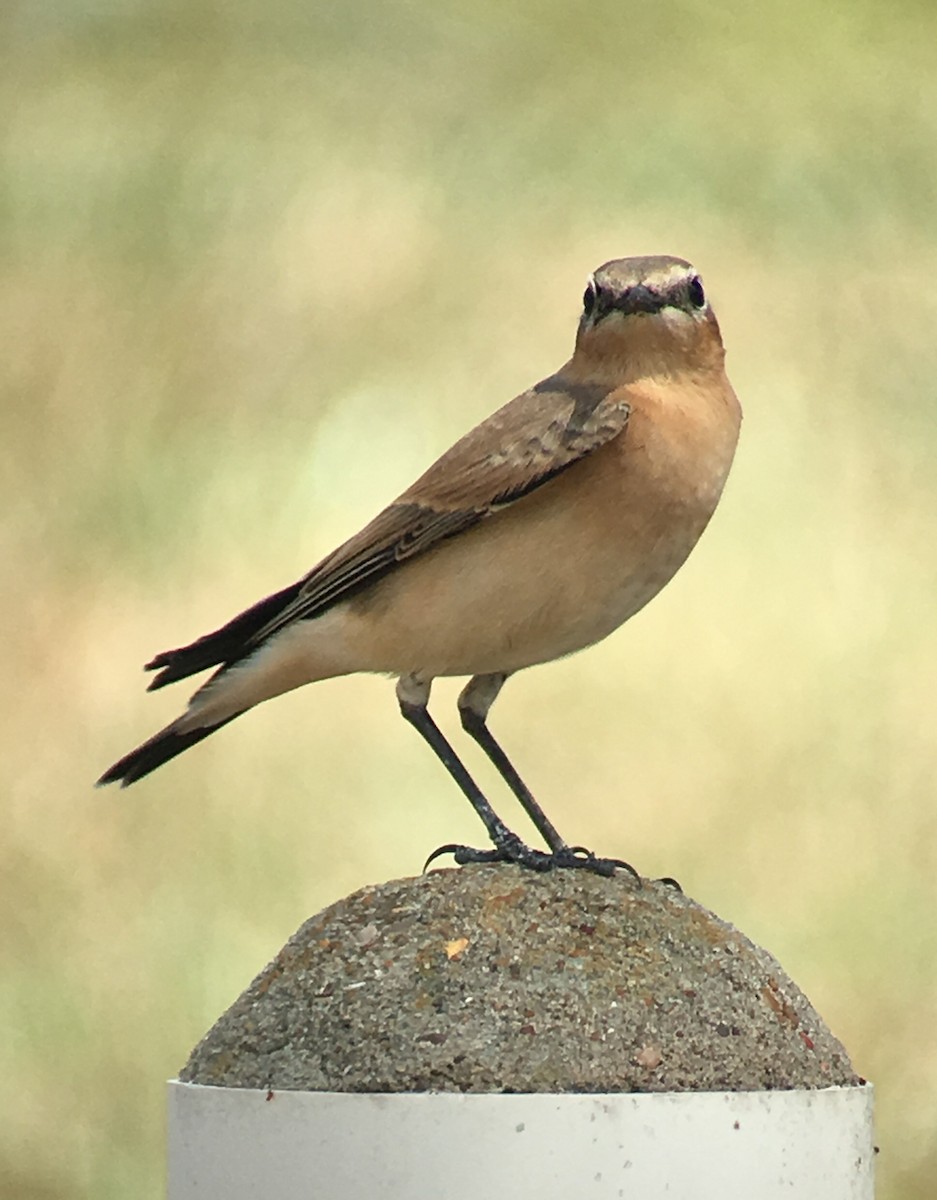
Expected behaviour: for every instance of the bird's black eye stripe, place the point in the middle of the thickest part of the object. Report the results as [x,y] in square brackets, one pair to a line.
[695,292]
[589,298]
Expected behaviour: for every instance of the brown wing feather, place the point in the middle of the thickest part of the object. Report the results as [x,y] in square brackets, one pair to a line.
[517,449]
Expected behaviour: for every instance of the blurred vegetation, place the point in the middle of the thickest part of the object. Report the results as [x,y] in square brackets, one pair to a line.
[260,264]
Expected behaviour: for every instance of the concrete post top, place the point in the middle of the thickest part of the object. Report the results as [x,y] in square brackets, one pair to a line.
[494,979]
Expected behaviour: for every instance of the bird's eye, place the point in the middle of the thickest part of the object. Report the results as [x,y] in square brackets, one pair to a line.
[695,292]
[589,297]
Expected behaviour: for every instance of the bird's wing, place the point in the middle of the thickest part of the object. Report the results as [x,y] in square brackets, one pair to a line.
[517,449]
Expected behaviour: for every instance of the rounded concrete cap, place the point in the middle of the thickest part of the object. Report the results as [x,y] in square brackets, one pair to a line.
[497,979]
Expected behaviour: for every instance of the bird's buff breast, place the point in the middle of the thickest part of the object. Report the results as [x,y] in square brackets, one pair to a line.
[555,572]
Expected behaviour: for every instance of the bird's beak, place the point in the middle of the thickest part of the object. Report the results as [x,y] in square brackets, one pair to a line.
[640,299]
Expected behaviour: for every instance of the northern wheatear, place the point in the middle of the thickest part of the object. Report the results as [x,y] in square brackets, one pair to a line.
[535,535]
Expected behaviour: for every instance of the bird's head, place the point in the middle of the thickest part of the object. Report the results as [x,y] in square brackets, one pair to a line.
[648,315]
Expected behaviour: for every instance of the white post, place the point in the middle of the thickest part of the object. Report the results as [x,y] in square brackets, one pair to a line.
[241,1144]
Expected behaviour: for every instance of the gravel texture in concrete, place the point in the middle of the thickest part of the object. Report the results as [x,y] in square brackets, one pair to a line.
[496,979]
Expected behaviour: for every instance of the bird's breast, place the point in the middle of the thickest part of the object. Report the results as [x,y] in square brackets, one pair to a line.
[565,566]
[621,523]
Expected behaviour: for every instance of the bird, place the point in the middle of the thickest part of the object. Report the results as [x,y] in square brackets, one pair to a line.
[536,535]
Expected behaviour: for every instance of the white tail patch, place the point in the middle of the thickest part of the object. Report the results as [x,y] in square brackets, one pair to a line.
[303,652]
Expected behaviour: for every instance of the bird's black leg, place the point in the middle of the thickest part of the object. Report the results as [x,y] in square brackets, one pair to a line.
[413,695]
[476,699]
[474,703]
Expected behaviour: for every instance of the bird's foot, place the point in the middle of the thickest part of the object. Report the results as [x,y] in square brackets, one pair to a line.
[516,851]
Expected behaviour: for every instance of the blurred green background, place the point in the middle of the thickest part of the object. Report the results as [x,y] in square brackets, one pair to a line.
[260,264]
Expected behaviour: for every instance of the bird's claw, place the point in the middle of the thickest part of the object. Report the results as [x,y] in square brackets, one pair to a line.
[601,866]
[523,855]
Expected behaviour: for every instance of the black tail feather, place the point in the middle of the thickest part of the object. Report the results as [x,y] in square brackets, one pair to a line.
[225,646]
[157,750]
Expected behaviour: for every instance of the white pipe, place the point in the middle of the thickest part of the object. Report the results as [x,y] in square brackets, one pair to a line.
[242,1144]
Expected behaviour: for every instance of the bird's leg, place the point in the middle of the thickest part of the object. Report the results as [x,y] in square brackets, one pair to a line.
[476,699]
[475,702]
[413,696]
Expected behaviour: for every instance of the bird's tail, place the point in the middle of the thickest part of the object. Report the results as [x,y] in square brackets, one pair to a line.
[160,748]
[251,668]
[225,646]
